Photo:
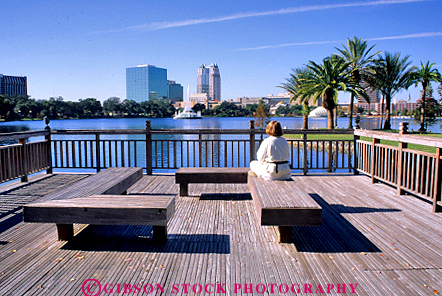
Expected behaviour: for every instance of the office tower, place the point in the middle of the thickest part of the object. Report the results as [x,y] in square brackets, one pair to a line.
[209,81]
[146,82]
[174,91]
[373,94]
[13,85]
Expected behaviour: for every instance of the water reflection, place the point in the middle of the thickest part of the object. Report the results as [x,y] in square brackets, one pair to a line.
[205,123]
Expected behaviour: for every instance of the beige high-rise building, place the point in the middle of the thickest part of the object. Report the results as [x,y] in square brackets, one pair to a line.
[209,81]
[374,95]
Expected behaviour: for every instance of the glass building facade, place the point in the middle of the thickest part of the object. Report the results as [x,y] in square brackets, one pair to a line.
[175,91]
[13,85]
[146,82]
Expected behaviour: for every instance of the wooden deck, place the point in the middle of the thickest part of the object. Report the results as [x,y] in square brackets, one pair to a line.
[384,243]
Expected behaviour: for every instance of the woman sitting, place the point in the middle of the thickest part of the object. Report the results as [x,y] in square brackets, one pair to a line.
[273,155]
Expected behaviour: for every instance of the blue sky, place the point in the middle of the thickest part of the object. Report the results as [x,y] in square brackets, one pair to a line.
[80,49]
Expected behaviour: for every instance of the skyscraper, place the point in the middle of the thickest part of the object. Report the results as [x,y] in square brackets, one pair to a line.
[146,82]
[13,85]
[209,81]
[373,94]
[174,91]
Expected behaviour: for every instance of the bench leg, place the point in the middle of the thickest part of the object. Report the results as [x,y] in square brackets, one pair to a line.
[65,231]
[160,234]
[184,188]
[285,234]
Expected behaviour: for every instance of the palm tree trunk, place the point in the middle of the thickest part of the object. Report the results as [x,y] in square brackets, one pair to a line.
[422,128]
[382,112]
[350,112]
[305,114]
[387,125]
[330,120]
[335,116]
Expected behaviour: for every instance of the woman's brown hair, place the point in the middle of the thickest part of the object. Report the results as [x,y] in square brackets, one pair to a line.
[274,129]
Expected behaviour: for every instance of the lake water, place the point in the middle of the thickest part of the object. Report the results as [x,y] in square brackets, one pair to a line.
[195,124]
[208,122]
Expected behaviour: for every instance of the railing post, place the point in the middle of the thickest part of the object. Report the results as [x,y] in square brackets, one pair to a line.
[49,144]
[355,156]
[437,182]
[400,165]
[373,159]
[252,139]
[331,156]
[200,149]
[24,160]
[148,147]
[97,151]
[304,154]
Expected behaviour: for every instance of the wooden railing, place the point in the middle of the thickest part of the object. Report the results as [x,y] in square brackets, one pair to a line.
[408,170]
[25,158]
[173,148]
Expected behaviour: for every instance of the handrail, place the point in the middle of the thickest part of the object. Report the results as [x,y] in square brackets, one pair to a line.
[408,170]
[195,132]
[404,138]
[22,135]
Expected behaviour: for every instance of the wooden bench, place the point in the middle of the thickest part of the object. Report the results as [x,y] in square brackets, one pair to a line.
[155,210]
[277,203]
[185,176]
[83,202]
[282,204]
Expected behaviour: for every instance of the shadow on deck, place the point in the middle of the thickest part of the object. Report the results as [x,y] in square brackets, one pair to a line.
[387,244]
[335,234]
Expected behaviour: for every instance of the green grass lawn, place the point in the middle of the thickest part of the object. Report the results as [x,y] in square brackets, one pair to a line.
[422,148]
[347,137]
[322,137]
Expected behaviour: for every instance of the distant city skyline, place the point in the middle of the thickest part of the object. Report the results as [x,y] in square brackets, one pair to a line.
[81,49]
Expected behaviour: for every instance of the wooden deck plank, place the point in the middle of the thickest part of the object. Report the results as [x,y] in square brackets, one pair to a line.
[216,237]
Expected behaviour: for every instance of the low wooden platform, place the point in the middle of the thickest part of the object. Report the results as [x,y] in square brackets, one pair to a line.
[185,176]
[71,204]
[153,210]
[282,204]
[370,237]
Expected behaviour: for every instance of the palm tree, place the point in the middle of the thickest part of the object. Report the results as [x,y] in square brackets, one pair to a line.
[424,75]
[358,56]
[326,81]
[389,74]
[293,85]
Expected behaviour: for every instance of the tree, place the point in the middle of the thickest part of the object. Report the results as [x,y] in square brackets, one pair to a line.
[56,106]
[250,109]
[227,109]
[262,115]
[282,111]
[130,107]
[424,75]
[6,107]
[429,106]
[439,91]
[358,56]
[294,84]
[389,74]
[89,107]
[326,81]
[112,105]
[198,107]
